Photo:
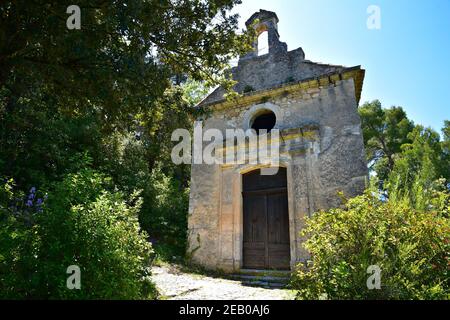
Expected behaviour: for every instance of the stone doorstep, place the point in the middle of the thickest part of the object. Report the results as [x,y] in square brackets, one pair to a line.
[260,272]
[265,285]
[281,280]
[270,279]
[264,282]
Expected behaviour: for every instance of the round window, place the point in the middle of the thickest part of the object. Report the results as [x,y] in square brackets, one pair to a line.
[264,121]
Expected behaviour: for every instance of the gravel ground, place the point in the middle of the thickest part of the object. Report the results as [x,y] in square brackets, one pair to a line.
[174,284]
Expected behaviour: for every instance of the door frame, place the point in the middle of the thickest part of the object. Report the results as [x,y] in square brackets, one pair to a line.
[239,213]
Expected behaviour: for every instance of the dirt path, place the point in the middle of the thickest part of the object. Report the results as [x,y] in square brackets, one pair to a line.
[176,285]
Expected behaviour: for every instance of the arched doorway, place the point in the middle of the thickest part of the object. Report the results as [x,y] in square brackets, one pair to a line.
[265,221]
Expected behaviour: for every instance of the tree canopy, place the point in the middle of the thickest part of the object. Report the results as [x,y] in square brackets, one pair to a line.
[392,141]
[122,59]
[85,123]
[384,131]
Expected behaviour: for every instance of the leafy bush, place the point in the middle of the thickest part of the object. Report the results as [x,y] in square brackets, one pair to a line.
[164,214]
[165,197]
[19,242]
[410,246]
[81,223]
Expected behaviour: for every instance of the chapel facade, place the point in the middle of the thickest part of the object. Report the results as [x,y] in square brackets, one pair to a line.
[240,218]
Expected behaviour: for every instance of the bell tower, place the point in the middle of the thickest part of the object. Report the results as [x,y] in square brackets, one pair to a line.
[265,21]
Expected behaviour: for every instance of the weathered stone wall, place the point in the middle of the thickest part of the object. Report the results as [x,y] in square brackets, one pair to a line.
[277,68]
[320,164]
[271,70]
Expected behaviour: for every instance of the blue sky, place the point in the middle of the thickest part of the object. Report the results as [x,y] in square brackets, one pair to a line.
[407,61]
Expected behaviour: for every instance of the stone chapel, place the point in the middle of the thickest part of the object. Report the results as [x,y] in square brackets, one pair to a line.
[240,219]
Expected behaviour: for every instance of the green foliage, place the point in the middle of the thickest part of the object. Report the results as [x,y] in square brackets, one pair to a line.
[410,246]
[194,91]
[40,144]
[106,97]
[397,150]
[46,145]
[19,243]
[164,214]
[121,61]
[81,223]
[165,191]
[401,225]
[384,131]
[445,144]
[417,168]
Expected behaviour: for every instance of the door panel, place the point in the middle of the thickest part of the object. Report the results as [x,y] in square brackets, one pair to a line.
[266,242]
[254,255]
[279,257]
[255,231]
[278,231]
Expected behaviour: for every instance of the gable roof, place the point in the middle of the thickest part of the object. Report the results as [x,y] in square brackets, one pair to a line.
[263,73]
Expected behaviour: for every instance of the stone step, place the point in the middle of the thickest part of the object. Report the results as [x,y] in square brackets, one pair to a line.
[264,284]
[258,272]
[262,278]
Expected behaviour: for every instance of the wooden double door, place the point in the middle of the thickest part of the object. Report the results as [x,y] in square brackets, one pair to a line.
[266,242]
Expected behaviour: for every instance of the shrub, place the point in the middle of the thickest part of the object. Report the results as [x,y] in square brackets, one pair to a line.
[164,215]
[81,223]
[410,246]
[18,242]
[164,192]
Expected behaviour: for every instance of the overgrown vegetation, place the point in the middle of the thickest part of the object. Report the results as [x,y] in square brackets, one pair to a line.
[82,222]
[86,178]
[409,246]
[86,118]
[401,224]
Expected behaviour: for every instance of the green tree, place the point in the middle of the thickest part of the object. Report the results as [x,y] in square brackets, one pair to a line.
[64,92]
[385,131]
[446,147]
[39,143]
[419,166]
[106,99]
[405,234]
[121,61]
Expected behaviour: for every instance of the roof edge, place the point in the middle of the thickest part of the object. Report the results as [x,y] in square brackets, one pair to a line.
[355,73]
